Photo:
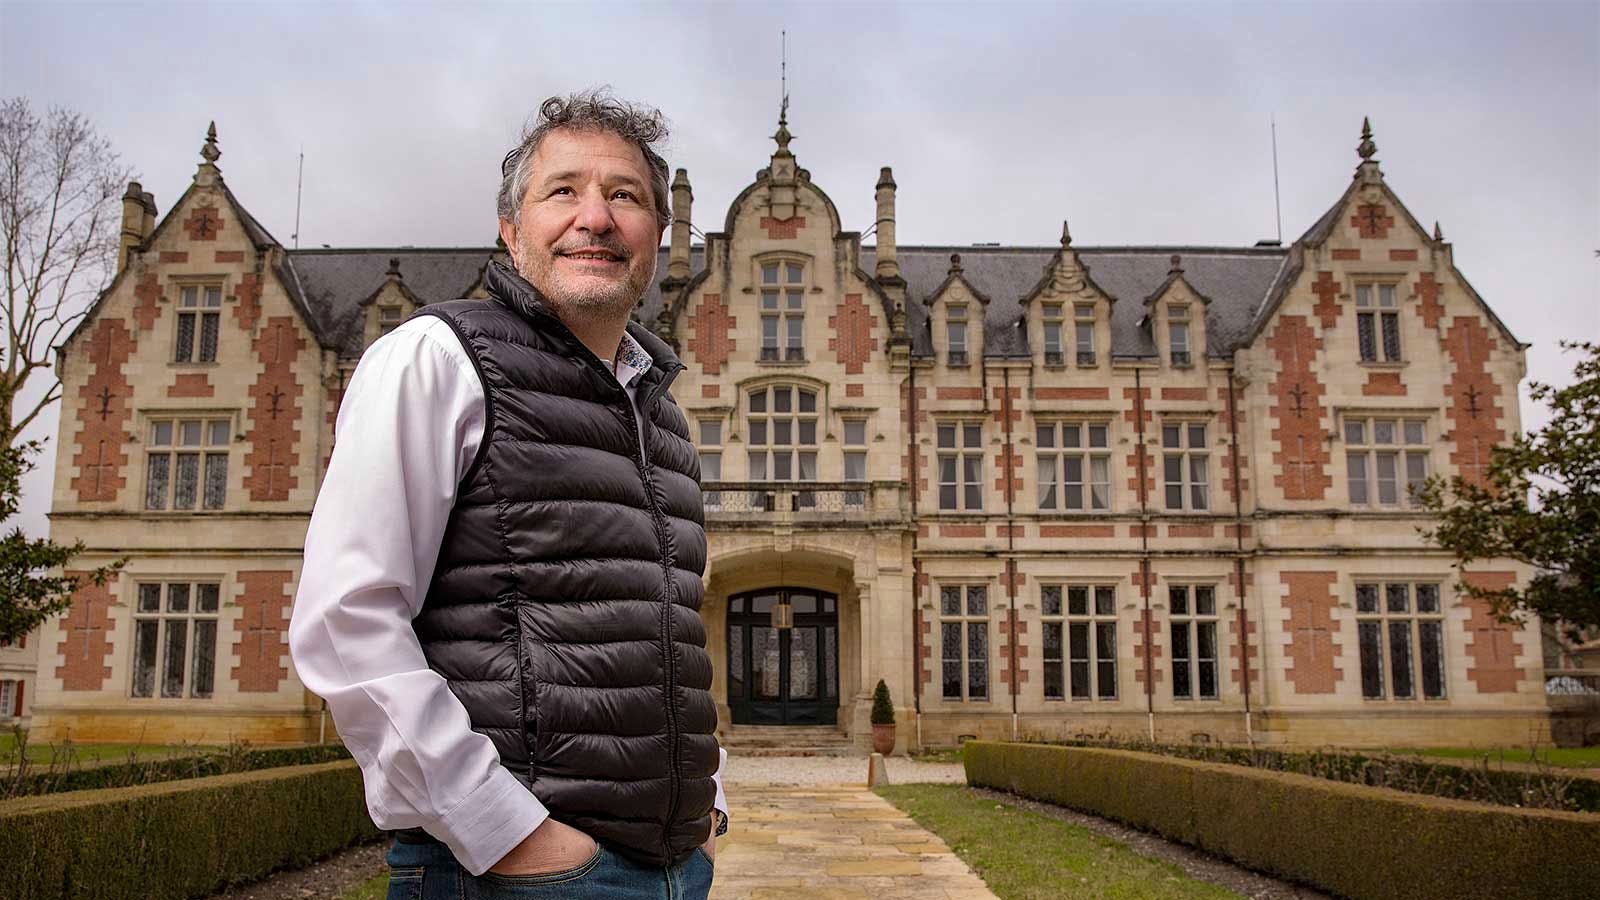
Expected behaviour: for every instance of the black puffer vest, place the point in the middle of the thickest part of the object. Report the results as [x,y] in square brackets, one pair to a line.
[564,610]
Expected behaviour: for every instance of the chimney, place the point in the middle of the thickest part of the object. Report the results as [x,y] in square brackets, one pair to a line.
[133,216]
[149,214]
[888,266]
[678,254]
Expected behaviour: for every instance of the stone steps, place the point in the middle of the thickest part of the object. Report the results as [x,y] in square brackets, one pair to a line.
[786,740]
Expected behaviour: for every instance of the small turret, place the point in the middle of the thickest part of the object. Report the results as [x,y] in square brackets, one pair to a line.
[678,252]
[133,216]
[888,263]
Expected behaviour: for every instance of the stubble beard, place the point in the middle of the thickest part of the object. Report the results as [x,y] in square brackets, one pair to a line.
[595,300]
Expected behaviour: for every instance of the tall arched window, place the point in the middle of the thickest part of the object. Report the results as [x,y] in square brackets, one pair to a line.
[781,423]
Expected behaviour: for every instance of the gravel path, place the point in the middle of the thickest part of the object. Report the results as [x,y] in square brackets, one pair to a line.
[833,770]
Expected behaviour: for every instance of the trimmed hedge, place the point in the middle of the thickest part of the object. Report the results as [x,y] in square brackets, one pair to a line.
[153,771]
[181,838]
[1457,779]
[1352,840]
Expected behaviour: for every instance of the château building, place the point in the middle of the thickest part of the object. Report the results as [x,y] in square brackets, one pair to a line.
[1040,491]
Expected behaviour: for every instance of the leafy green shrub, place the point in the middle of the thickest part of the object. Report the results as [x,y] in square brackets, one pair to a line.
[180,838]
[1353,840]
[882,707]
[235,758]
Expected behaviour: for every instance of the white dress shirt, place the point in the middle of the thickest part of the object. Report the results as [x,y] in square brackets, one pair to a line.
[409,426]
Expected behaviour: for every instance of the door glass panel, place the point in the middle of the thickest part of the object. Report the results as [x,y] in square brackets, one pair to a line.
[764,662]
[830,661]
[803,658]
[803,603]
[736,662]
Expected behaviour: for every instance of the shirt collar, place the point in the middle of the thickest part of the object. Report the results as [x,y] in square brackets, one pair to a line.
[632,361]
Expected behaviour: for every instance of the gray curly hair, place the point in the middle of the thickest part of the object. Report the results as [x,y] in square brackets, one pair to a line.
[591,110]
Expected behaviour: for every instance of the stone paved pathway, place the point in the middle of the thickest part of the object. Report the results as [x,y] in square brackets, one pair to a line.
[832,841]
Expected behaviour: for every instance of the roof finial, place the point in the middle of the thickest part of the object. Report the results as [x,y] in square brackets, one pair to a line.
[394,268]
[955,264]
[1066,235]
[783,136]
[1438,234]
[1367,149]
[209,151]
[1177,265]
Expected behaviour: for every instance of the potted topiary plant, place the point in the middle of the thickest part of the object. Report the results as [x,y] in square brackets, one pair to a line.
[882,720]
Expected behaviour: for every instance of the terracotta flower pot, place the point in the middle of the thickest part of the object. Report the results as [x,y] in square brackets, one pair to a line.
[883,739]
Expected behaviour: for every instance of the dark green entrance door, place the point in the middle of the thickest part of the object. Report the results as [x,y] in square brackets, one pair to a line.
[783,676]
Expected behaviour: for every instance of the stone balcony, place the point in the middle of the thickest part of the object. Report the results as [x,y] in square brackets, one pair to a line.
[810,504]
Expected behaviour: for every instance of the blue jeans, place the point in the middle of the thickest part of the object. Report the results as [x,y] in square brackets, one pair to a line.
[428,871]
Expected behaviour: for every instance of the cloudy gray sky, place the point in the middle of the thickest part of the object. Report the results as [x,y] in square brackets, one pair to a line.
[1142,123]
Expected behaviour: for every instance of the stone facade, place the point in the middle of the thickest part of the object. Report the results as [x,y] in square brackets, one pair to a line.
[1039,491]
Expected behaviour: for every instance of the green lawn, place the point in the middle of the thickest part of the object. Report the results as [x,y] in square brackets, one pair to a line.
[1024,854]
[41,753]
[1569,757]
[374,888]
[938,755]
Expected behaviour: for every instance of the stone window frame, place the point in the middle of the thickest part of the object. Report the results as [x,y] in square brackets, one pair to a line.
[1058,451]
[968,625]
[390,315]
[175,447]
[854,455]
[197,316]
[10,702]
[1051,318]
[768,429]
[1186,453]
[959,451]
[1179,318]
[161,617]
[1376,615]
[1080,322]
[1380,317]
[957,320]
[1365,446]
[783,312]
[1192,623]
[710,451]
[1093,620]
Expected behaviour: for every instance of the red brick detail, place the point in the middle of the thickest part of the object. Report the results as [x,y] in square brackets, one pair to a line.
[851,338]
[958,393]
[913,466]
[1383,384]
[1345,254]
[174,256]
[262,631]
[1428,305]
[1145,646]
[330,417]
[1474,406]
[273,459]
[247,297]
[1311,650]
[1234,531]
[925,656]
[1141,531]
[1237,650]
[711,337]
[1402,256]
[1137,410]
[1327,307]
[710,391]
[1014,531]
[1300,461]
[1077,531]
[961,531]
[86,636]
[1006,407]
[104,411]
[1232,452]
[191,384]
[1138,579]
[922,531]
[1372,220]
[230,256]
[1491,644]
[1191,531]
[783,229]
[203,224]
[1170,393]
[1072,393]
[147,305]
[855,389]
[1013,670]
[1015,582]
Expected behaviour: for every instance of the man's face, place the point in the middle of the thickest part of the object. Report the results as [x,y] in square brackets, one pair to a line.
[589,234]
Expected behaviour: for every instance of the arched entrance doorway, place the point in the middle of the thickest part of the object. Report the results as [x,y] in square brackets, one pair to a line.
[783,676]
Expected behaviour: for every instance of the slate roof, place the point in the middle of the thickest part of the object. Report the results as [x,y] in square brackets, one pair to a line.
[1237,279]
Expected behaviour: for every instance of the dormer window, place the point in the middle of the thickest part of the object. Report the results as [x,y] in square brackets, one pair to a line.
[1376,311]
[956,330]
[1053,354]
[1178,334]
[389,318]
[1083,322]
[783,324]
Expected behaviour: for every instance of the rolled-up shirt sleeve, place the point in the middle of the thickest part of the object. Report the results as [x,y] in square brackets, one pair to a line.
[410,423]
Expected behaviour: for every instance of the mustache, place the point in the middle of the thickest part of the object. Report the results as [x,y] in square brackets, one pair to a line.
[602,242]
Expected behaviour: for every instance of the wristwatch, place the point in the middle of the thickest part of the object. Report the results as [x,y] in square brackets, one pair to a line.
[722,822]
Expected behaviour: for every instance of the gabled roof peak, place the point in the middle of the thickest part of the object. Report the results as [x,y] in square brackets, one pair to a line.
[1367,148]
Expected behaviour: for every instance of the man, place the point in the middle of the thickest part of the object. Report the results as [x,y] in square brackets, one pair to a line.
[502,574]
